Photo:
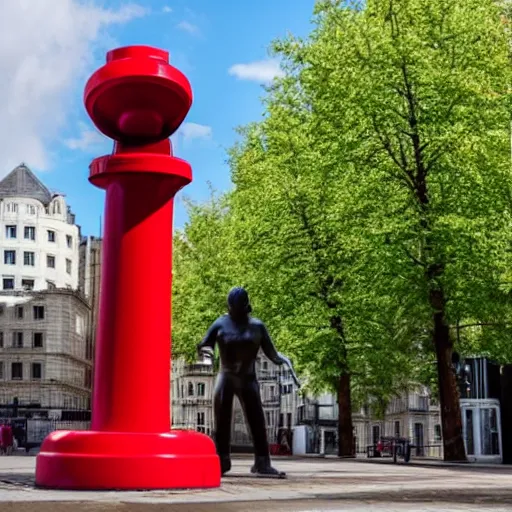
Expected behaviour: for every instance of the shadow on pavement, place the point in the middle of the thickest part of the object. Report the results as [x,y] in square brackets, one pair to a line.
[454,496]
[360,501]
[18,479]
[428,464]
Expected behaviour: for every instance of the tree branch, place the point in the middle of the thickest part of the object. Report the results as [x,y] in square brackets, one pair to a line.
[482,324]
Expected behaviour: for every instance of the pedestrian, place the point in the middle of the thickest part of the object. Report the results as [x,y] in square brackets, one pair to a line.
[6,439]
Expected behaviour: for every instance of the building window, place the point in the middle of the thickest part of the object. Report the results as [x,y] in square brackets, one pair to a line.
[17,339]
[30,233]
[68,266]
[397,429]
[10,231]
[38,312]
[12,207]
[201,389]
[10,257]
[37,341]
[19,311]
[56,207]
[423,403]
[88,378]
[37,371]
[201,422]
[8,283]
[1,339]
[51,285]
[375,434]
[264,365]
[31,209]
[1,370]
[79,325]
[437,433]
[27,284]
[51,236]
[69,241]
[287,389]
[190,389]
[29,258]
[50,261]
[17,371]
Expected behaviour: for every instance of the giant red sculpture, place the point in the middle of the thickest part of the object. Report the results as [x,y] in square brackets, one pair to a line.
[138,99]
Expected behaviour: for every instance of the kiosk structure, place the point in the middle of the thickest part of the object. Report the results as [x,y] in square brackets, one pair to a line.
[139,100]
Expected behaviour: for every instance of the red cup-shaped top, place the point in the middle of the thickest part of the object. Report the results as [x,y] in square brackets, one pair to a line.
[137,95]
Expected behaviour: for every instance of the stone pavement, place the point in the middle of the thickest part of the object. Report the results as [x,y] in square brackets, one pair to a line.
[313,485]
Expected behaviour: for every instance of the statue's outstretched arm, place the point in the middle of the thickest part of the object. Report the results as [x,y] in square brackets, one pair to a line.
[288,363]
[207,346]
[268,347]
[276,357]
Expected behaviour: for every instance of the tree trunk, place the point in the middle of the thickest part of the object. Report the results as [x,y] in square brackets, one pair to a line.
[453,443]
[345,430]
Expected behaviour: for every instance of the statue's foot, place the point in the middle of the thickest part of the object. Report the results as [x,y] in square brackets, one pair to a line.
[268,472]
[263,468]
[225,464]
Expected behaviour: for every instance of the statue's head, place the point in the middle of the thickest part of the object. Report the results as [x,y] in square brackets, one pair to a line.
[238,302]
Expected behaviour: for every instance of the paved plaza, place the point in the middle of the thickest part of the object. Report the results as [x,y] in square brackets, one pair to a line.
[313,484]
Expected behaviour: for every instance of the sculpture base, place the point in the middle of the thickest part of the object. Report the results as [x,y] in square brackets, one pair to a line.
[93,460]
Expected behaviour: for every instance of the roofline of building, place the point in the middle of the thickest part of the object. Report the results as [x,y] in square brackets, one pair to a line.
[40,294]
[45,190]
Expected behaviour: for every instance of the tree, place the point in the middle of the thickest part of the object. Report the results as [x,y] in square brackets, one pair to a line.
[415,94]
[293,210]
[204,269]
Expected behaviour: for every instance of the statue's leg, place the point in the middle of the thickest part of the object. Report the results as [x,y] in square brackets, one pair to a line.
[223,411]
[250,399]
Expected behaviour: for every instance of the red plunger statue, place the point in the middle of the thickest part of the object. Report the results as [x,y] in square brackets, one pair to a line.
[138,99]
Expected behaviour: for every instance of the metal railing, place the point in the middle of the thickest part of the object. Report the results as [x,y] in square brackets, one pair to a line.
[30,433]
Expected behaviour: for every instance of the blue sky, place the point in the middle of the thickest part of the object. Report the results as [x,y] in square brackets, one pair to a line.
[206,39]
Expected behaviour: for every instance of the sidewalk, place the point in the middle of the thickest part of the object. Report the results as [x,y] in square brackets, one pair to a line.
[312,484]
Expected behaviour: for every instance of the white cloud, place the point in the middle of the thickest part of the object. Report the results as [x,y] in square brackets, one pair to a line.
[47,49]
[263,71]
[89,139]
[166,9]
[188,27]
[191,131]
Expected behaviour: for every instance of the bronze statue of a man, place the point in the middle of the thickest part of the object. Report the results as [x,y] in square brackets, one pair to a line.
[239,337]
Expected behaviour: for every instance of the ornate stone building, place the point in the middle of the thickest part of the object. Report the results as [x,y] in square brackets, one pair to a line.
[45,365]
[312,419]
[192,388]
[89,279]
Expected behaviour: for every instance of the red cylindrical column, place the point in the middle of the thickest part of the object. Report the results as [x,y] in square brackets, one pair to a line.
[139,100]
[133,351]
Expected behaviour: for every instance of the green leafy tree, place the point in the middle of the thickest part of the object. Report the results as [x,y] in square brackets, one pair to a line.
[415,94]
[371,210]
[294,214]
[204,270]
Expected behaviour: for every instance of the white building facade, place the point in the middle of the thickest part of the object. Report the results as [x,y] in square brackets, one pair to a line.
[38,236]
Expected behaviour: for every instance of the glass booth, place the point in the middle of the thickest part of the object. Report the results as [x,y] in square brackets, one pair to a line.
[481,424]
